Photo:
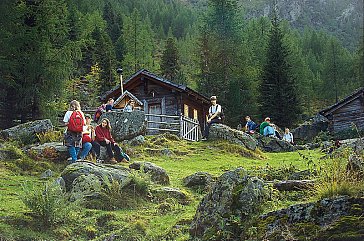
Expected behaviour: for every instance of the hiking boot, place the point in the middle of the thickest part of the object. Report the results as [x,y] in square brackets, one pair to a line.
[126,157]
[99,161]
[113,161]
[124,160]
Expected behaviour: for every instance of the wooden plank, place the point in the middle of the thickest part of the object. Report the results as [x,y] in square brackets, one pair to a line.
[167,116]
[163,123]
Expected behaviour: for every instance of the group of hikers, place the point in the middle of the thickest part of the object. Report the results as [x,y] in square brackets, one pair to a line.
[82,138]
[129,107]
[266,128]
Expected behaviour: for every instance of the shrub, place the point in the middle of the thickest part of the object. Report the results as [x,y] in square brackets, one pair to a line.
[50,136]
[114,195]
[334,180]
[49,203]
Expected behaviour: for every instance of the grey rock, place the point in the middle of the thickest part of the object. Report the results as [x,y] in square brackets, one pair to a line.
[60,182]
[198,180]
[51,150]
[157,174]
[234,194]
[223,132]
[47,174]
[300,175]
[126,125]
[27,130]
[112,172]
[355,165]
[272,144]
[356,144]
[321,213]
[163,193]
[293,185]
[311,128]
[136,141]
[167,152]
[87,185]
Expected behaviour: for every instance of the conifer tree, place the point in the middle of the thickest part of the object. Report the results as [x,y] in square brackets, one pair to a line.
[222,60]
[39,55]
[139,44]
[278,97]
[170,60]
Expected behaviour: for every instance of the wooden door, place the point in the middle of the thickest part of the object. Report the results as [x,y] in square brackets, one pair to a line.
[154,110]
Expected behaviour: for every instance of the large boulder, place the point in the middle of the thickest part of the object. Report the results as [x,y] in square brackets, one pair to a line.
[51,151]
[27,130]
[157,174]
[102,172]
[272,144]
[355,165]
[223,132]
[126,125]
[327,219]
[198,180]
[163,193]
[311,128]
[235,195]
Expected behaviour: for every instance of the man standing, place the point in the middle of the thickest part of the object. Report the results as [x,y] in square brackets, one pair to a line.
[215,113]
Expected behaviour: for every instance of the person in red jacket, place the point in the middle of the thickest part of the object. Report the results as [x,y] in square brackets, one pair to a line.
[104,138]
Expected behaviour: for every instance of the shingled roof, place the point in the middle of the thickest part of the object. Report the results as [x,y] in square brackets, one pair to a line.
[327,111]
[178,87]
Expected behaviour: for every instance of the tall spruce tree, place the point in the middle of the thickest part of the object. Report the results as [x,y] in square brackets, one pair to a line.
[222,60]
[39,56]
[139,44]
[170,60]
[278,97]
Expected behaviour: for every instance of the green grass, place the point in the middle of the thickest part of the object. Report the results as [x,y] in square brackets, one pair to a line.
[151,221]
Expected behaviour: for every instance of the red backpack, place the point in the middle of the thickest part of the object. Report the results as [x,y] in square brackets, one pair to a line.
[76,122]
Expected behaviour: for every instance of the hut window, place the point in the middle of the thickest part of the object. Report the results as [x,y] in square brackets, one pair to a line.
[195,114]
[185,110]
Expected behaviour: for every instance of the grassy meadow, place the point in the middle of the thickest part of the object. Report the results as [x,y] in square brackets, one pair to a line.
[143,219]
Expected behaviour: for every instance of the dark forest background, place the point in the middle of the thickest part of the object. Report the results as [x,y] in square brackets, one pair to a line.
[259,61]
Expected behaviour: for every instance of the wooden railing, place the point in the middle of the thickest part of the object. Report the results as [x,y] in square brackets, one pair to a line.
[185,127]
[190,129]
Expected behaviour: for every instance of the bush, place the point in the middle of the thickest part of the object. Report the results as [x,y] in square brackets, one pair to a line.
[334,180]
[50,136]
[113,195]
[49,203]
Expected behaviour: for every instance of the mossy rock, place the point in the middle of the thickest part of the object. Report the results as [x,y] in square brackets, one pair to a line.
[111,172]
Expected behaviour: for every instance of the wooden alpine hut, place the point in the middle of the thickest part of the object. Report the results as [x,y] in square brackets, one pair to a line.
[162,100]
[346,112]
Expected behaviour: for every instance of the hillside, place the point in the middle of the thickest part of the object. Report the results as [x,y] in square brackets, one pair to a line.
[342,18]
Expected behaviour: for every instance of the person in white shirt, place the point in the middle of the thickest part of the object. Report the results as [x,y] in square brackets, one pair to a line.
[129,106]
[214,116]
[288,136]
[73,139]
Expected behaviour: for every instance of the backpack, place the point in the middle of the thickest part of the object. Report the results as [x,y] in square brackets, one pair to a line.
[76,122]
[222,114]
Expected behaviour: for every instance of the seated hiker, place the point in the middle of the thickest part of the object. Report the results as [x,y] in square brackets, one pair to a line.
[104,138]
[250,125]
[74,120]
[109,104]
[269,131]
[288,136]
[215,116]
[88,138]
[129,106]
[101,109]
[263,125]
